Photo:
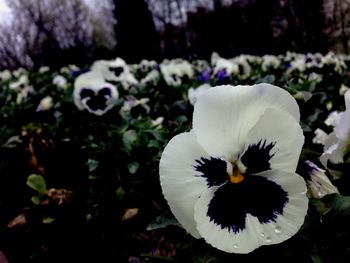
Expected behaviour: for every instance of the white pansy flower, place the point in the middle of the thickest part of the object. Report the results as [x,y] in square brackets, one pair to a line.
[153,75]
[231,180]
[320,136]
[94,94]
[243,66]
[19,84]
[157,123]
[5,75]
[44,69]
[231,68]
[270,62]
[23,94]
[175,71]
[338,142]
[132,102]
[115,70]
[298,64]
[193,94]
[333,118]
[60,81]
[18,72]
[319,184]
[343,89]
[314,77]
[45,104]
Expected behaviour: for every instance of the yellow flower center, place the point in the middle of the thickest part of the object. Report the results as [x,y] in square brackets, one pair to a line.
[236,176]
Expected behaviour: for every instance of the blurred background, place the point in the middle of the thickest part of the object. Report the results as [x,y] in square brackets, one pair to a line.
[54,33]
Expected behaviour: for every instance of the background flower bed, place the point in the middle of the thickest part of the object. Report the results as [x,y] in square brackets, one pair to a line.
[101,199]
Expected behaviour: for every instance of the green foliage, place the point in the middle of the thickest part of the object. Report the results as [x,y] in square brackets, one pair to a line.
[110,163]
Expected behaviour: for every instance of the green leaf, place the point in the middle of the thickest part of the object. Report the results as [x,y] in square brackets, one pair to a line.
[129,138]
[92,164]
[181,119]
[12,142]
[48,220]
[36,200]
[268,79]
[153,144]
[37,182]
[120,192]
[163,221]
[340,204]
[315,258]
[133,167]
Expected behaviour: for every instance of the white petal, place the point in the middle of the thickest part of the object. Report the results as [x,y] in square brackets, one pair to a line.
[256,234]
[224,115]
[342,129]
[320,137]
[319,185]
[180,185]
[93,81]
[242,242]
[347,99]
[294,212]
[280,129]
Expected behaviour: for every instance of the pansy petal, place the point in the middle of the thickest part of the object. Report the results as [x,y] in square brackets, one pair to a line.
[275,142]
[255,233]
[342,129]
[224,115]
[222,238]
[289,222]
[181,183]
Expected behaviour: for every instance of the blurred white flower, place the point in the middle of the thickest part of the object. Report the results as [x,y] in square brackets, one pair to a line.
[94,94]
[45,104]
[60,81]
[314,77]
[152,76]
[5,75]
[298,64]
[244,67]
[23,94]
[337,62]
[343,89]
[21,83]
[18,72]
[157,123]
[175,71]
[338,142]
[115,70]
[44,69]
[270,62]
[333,118]
[319,184]
[320,136]
[132,102]
[222,64]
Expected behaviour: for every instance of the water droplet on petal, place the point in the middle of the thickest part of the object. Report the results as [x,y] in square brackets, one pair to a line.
[268,239]
[287,236]
[262,234]
[278,230]
[235,246]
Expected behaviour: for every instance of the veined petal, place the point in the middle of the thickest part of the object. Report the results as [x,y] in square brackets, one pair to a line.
[224,115]
[275,142]
[257,230]
[181,183]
